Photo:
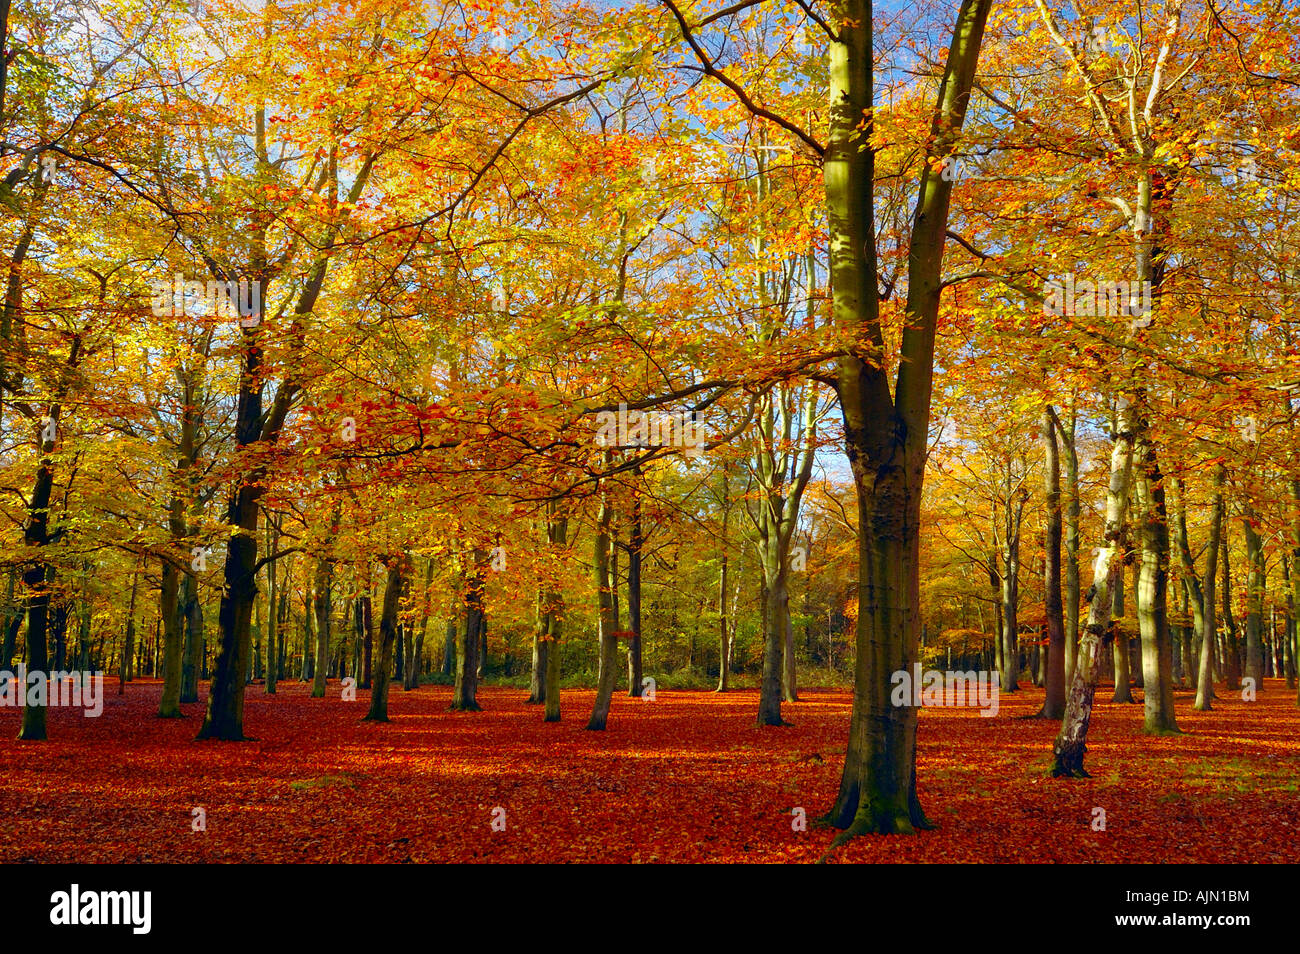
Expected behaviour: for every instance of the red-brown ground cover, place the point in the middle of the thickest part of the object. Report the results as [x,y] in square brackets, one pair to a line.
[684,778]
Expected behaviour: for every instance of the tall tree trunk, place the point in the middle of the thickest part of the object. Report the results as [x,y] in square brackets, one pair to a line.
[775,606]
[367,638]
[449,647]
[557,530]
[1209,629]
[1231,655]
[541,648]
[12,623]
[1295,582]
[605,622]
[1072,511]
[415,657]
[126,671]
[1255,582]
[397,576]
[273,610]
[173,637]
[1054,701]
[1015,512]
[36,536]
[724,643]
[789,687]
[256,426]
[321,586]
[1193,594]
[1120,647]
[1108,573]
[192,659]
[886,437]
[635,545]
[465,697]
[1151,596]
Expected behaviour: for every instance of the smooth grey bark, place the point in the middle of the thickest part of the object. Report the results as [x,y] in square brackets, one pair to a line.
[1209,628]
[1151,597]
[606,626]
[1072,511]
[886,434]
[1054,700]
[635,553]
[1120,655]
[1010,578]
[1108,572]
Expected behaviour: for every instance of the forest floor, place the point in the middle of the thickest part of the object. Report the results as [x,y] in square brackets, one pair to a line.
[686,777]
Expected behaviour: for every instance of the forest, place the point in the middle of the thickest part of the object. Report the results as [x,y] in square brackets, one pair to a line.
[459,430]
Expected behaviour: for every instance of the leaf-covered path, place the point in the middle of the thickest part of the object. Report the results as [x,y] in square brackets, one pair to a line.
[684,778]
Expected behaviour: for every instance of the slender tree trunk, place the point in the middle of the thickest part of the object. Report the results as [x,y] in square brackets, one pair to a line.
[557,530]
[1120,647]
[1231,656]
[449,647]
[1209,628]
[635,545]
[36,536]
[173,638]
[606,626]
[1255,582]
[225,714]
[414,663]
[1193,594]
[465,697]
[1054,702]
[368,638]
[397,576]
[13,623]
[192,660]
[776,605]
[1010,674]
[1072,511]
[724,642]
[1108,573]
[1151,597]
[1295,583]
[541,648]
[273,611]
[126,671]
[321,586]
